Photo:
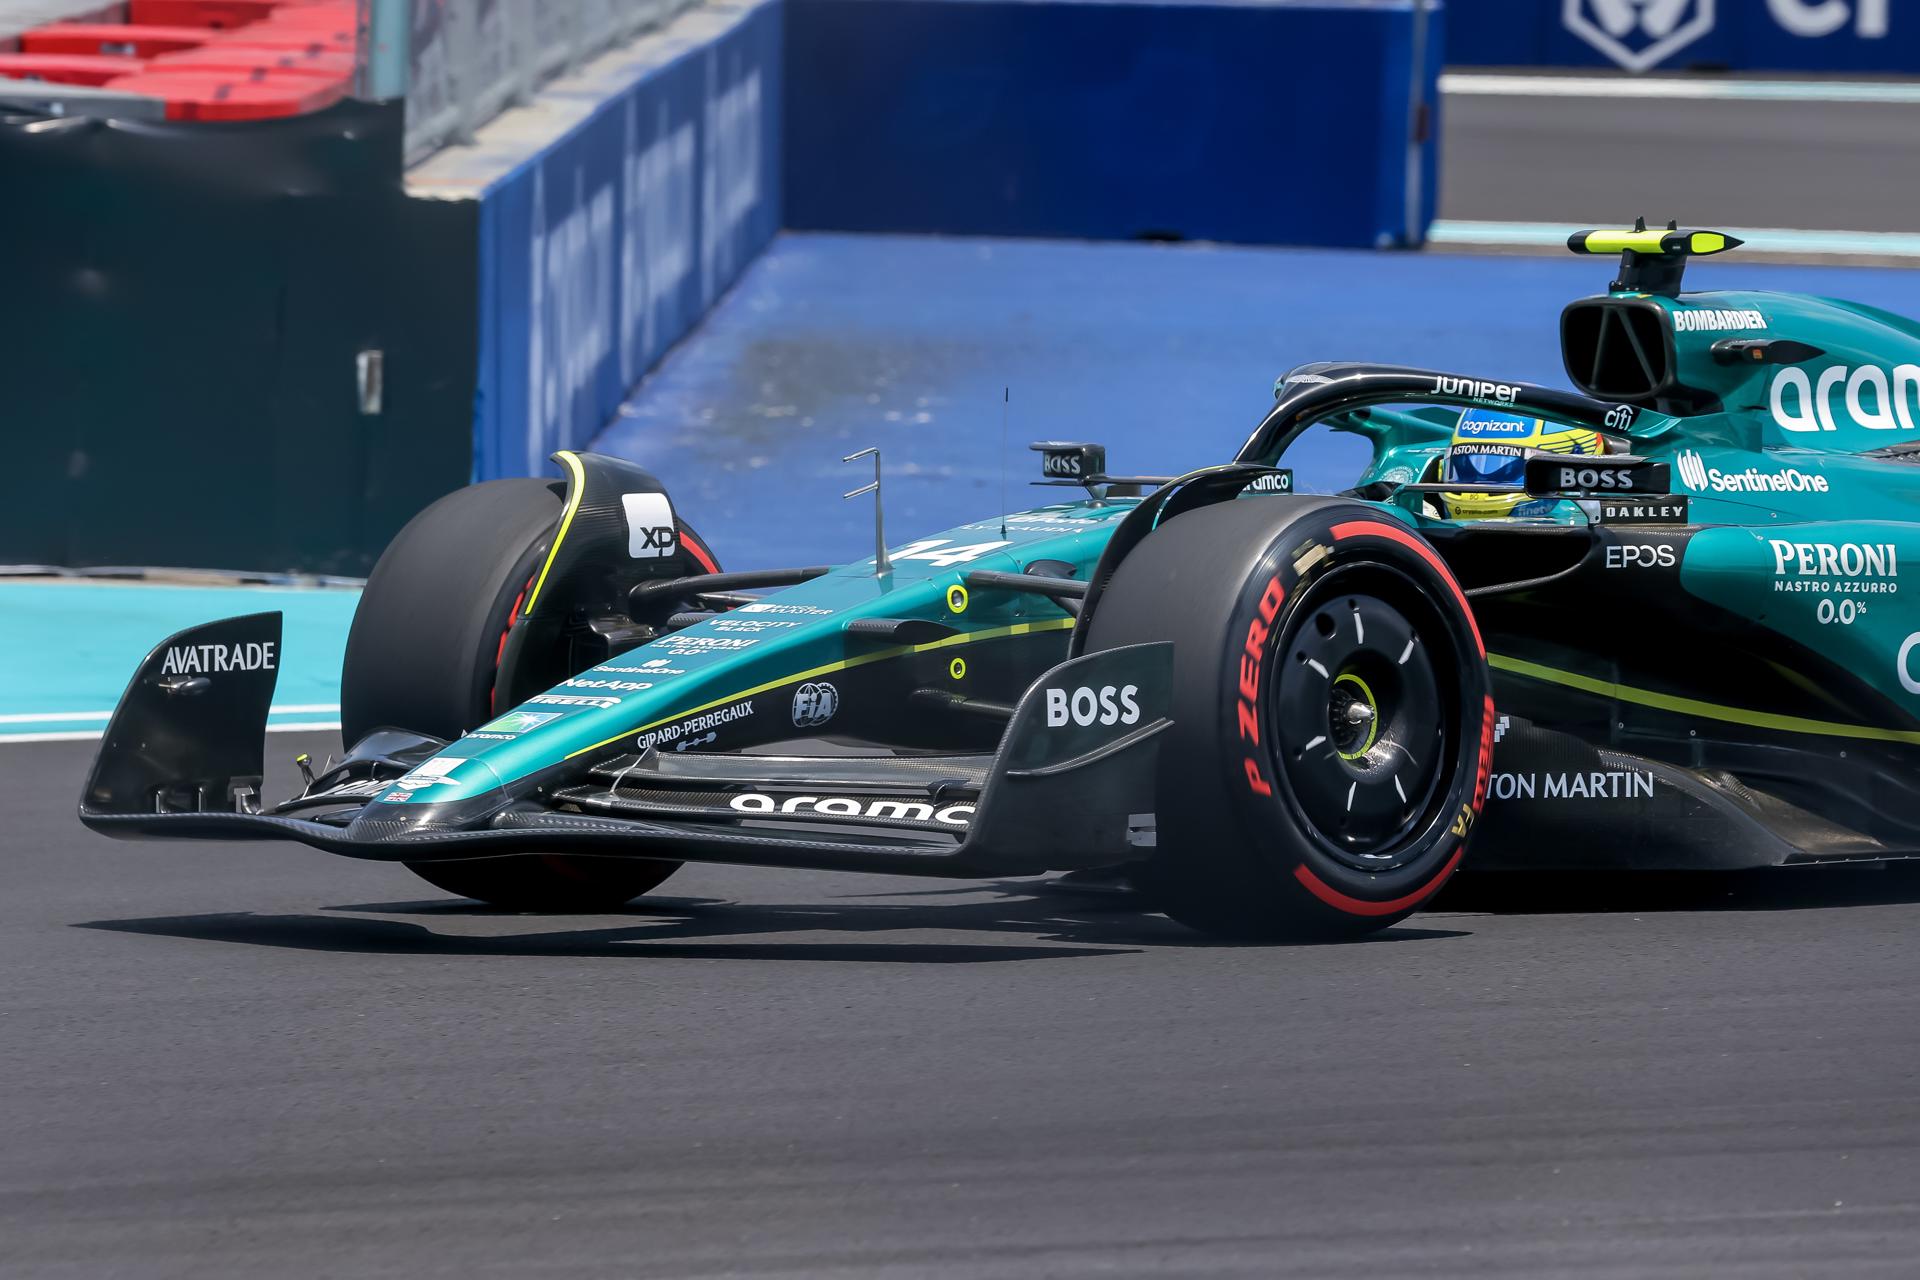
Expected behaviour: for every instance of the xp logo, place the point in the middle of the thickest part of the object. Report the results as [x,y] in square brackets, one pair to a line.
[649,525]
[1693,471]
[1639,34]
[814,704]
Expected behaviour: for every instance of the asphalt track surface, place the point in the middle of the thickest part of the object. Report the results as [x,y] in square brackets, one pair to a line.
[1603,161]
[262,1061]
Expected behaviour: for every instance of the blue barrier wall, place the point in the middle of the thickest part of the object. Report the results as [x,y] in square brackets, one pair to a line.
[1276,123]
[1850,36]
[608,246]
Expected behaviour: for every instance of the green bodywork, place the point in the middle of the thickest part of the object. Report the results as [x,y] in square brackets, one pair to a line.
[1794,527]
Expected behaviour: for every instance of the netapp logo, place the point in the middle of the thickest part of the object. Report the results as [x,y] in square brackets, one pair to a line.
[953,815]
[1709,320]
[214,659]
[1698,476]
[1084,706]
[1811,405]
[1498,392]
[616,686]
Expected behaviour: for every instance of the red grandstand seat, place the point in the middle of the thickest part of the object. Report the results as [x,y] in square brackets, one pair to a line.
[221,95]
[201,13]
[261,35]
[216,57]
[67,68]
[127,38]
[313,15]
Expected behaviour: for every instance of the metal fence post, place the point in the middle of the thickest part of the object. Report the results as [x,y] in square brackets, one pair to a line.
[388,53]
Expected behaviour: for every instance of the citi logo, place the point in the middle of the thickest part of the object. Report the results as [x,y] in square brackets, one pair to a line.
[1870,396]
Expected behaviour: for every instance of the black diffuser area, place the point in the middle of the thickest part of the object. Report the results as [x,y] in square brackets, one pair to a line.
[1616,350]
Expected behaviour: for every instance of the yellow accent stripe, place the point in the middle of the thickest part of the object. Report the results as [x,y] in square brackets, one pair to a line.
[845,664]
[576,486]
[1695,707]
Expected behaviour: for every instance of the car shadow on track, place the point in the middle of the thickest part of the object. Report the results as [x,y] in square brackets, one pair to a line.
[1065,926]
[1599,892]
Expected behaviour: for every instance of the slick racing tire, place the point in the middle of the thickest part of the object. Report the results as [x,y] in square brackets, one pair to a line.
[1332,722]
[424,653]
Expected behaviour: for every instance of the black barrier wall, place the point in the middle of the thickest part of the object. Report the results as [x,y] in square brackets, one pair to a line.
[186,309]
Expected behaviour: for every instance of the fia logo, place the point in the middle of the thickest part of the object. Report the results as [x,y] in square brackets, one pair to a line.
[814,704]
[1639,34]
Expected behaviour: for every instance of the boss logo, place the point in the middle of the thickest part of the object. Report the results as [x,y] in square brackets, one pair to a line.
[650,529]
[1620,473]
[1594,478]
[1085,706]
[1070,460]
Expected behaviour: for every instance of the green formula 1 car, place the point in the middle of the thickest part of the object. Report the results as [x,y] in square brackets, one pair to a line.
[1657,624]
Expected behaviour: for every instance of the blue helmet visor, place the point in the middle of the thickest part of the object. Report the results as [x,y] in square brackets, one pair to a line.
[1468,465]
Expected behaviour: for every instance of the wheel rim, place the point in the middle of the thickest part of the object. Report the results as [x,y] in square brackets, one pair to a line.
[1359,724]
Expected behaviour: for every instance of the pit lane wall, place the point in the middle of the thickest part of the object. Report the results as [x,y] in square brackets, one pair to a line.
[1284,122]
[600,248]
[1848,37]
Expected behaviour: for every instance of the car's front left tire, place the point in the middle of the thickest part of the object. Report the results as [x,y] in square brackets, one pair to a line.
[1332,722]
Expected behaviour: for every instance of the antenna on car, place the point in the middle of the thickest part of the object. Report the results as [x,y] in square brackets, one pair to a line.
[881,565]
[1006,397]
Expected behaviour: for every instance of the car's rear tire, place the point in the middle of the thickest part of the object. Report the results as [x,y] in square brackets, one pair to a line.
[423,654]
[1284,812]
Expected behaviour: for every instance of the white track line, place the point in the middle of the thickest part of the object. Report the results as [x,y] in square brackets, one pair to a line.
[57,717]
[89,735]
[1468,84]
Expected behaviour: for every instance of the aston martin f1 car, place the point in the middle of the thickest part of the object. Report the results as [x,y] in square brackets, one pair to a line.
[1654,623]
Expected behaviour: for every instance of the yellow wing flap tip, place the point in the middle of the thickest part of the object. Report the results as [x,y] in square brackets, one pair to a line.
[1670,242]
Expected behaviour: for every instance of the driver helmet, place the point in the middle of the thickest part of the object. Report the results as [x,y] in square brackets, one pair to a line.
[1490,447]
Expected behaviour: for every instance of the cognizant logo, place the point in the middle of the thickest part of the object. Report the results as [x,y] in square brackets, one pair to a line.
[1697,476]
[1872,397]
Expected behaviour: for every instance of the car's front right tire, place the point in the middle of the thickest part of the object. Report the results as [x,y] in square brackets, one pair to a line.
[1332,717]
[424,653]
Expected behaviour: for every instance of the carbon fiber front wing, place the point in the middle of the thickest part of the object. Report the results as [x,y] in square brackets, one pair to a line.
[183,755]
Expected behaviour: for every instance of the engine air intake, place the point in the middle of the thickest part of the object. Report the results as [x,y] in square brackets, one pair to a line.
[1617,349]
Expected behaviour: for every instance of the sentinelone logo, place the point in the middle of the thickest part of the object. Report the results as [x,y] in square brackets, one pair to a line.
[1696,475]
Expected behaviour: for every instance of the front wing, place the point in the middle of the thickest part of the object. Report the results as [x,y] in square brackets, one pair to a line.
[183,756]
